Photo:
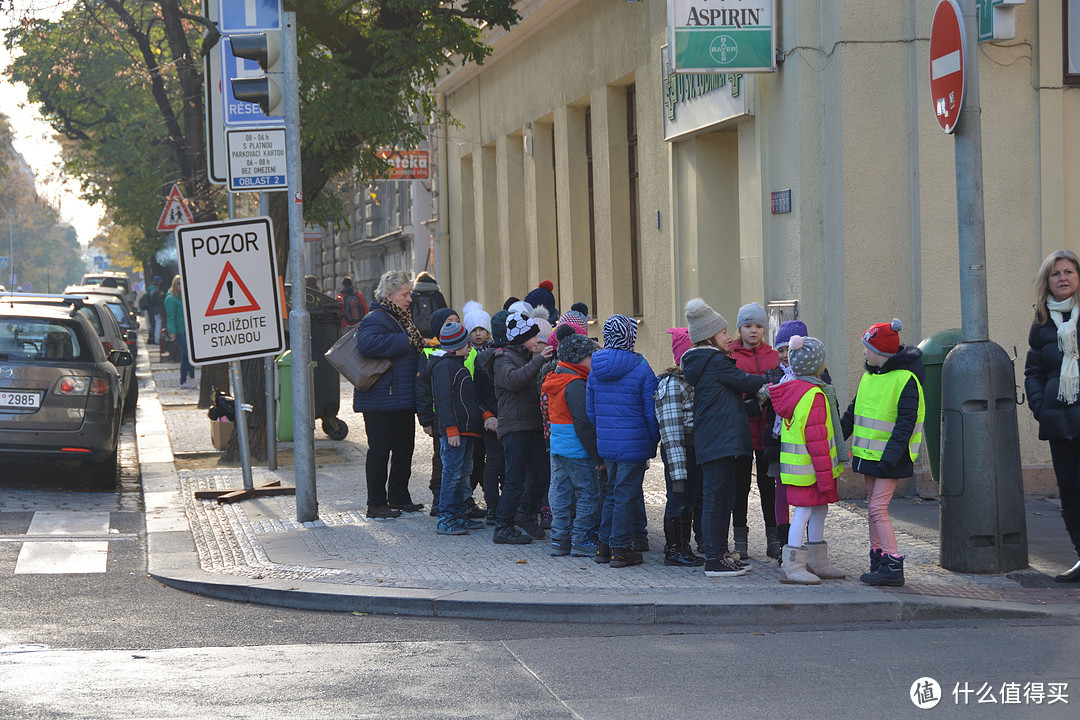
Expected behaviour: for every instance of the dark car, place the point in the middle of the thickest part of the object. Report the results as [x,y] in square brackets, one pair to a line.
[125,316]
[60,396]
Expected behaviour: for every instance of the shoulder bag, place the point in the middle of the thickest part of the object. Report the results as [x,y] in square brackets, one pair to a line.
[356,367]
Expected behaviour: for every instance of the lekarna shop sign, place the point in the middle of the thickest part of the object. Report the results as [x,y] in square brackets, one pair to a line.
[231,304]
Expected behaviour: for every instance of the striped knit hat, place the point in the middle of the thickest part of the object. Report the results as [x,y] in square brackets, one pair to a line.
[452,336]
[620,333]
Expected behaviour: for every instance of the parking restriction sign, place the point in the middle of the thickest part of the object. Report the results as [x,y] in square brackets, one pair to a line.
[231,304]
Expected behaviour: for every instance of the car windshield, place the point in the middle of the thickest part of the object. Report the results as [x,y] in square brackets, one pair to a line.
[38,339]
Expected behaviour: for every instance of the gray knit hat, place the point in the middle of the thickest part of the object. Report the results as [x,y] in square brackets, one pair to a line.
[751,314]
[806,355]
[573,347]
[702,321]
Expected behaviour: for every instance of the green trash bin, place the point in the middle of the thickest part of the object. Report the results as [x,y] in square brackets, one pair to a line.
[284,401]
[934,349]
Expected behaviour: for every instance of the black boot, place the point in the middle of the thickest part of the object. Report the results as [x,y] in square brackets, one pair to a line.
[625,557]
[675,553]
[603,553]
[782,534]
[773,546]
[890,572]
[686,525]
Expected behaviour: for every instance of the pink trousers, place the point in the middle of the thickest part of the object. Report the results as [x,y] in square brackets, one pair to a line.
[879,492]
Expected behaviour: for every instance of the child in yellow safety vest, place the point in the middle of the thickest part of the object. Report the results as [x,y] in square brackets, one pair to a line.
[885,421]
[811,458]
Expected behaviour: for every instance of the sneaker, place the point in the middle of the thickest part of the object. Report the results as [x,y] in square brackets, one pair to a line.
[559,548]
[407,507]
[586,548]
[382,513]
[434,510]
[533,528]
[470,523]
[625,557]
[476,512]
[511,535]
[722,567]
[451,526]
[737,561]
[603,553]
[491,517]
[545,517]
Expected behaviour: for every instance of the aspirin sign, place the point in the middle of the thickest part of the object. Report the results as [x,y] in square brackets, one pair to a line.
[722,36]
[232,308]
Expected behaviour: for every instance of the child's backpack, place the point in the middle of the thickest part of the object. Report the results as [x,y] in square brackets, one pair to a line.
[354,310]
[423,305]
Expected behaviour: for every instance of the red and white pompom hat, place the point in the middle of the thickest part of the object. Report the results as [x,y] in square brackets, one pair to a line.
[884,338]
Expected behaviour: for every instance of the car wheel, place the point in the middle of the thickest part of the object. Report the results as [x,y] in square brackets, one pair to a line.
[334,428]
[103,474]
[132,397]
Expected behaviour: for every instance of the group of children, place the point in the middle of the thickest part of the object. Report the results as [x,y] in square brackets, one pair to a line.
[565,430]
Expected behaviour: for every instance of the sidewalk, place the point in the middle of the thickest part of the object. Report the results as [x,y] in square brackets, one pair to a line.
[256,551]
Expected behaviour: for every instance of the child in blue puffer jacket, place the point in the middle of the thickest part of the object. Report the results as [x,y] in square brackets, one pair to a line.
[619,402]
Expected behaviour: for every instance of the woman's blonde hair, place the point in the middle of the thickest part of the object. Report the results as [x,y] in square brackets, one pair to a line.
[175,288]
[390,282]
[1042,280]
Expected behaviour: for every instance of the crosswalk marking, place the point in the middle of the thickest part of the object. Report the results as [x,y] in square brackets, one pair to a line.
[70,548]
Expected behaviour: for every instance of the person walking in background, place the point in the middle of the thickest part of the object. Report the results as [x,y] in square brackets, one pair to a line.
[619,402]
[389,405]
[682,474]
[754,356]
[721,428]
[151,302]
[1052,383]
[885,419]
[353,304]
[174,318]
[811,459]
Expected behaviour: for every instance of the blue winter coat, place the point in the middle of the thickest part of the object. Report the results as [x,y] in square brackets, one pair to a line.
[381,336]
[721,426]
[619,402]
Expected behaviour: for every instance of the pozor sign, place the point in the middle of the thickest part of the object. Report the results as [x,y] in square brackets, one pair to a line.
[232,308]
[722,36]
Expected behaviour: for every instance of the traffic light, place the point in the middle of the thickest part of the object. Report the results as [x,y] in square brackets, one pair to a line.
[266,91]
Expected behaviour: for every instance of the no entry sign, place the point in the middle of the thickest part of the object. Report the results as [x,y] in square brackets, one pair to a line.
[947,47]
[231,304]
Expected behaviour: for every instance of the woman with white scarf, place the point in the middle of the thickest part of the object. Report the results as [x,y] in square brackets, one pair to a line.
[1052,381]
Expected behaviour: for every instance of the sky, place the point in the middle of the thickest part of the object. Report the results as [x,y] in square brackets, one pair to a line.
[33,138]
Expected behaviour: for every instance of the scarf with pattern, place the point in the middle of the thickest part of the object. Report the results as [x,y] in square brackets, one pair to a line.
[1069,379]
[404,318]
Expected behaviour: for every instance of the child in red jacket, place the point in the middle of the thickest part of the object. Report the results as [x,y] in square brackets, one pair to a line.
[753,356]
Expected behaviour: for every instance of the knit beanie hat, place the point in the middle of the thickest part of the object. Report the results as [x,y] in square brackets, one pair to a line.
[787,329]
[884,338]
[571,319]
[703,322]
[620,333]
[520,328]
[521,307]
[806,355]
[452,336]
[582,308]
[476,317]
[573,348]
[510,301]
[498,327]
[680,343]
[751,314]
[543,296]
[543,328]
[438,319]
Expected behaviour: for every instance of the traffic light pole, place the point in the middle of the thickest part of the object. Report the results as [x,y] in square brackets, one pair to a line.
[307,505]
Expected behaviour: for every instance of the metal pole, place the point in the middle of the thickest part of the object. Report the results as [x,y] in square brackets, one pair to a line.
[307,506]
[241,422]
[271,386]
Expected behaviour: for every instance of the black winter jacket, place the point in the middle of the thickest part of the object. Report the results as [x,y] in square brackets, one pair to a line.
[1057,421]
[456,405]
[895,461]
[721,426]
[513,370]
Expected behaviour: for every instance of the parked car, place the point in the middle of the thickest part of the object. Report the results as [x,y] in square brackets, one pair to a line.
[101,316]
[112,279]
[60,396]
[123,312]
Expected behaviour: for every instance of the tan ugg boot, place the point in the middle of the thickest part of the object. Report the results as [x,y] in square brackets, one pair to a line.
[795,572]
[817,562]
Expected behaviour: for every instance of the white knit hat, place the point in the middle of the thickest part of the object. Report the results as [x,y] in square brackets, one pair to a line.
[475,317]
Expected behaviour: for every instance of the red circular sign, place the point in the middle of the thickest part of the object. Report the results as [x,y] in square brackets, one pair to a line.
[947,64]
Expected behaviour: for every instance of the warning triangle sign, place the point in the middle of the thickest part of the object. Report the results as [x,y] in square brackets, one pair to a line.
[176,212]
[229,301]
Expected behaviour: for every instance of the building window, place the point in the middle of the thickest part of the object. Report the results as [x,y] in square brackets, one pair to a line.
[1071,48]
[592,205]
[635,235]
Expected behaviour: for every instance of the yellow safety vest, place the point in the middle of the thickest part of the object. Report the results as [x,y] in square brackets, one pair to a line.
[875,414]
[470,359]
[796,464]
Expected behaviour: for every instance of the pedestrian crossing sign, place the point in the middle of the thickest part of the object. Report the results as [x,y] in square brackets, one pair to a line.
[176,212]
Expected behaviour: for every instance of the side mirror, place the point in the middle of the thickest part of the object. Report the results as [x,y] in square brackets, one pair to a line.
[120,358]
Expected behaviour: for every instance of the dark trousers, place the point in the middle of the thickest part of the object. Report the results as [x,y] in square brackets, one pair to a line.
[527,472]
[436,469]
[390,442]
[687,502]
[1065,455]
[766,488]
[494,469]
[718,498]
[151,320]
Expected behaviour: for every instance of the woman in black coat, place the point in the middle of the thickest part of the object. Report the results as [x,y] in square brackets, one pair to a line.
[1052,382]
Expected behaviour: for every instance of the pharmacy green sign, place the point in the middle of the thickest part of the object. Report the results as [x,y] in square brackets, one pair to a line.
[722,36]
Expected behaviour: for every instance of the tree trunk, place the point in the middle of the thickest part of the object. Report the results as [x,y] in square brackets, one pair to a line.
[213,376]
[252,373]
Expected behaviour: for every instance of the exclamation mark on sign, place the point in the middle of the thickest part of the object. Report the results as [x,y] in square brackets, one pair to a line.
[229,287]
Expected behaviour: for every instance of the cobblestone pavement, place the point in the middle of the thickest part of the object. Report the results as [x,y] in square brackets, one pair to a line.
[260,540]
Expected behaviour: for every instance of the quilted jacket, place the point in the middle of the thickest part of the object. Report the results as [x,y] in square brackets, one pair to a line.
[619,402]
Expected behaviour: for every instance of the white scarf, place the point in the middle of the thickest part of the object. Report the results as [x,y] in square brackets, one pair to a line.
[1069,380]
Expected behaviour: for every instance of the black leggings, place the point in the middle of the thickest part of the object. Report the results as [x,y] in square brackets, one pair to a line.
[390,437]
[1065,455]
[766,488]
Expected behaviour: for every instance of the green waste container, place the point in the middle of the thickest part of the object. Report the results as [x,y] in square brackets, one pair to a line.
[934,349]
[284,403]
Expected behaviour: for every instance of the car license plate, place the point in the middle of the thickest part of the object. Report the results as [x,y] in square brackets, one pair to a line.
[11,399]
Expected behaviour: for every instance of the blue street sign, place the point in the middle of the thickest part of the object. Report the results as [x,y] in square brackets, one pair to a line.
[248,16]
[3,260]
[238,112]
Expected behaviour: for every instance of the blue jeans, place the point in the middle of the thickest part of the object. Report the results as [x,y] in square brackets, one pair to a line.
[186,368]
[527,471]
[573,480]
[624,506]
[456,467]
[718,500]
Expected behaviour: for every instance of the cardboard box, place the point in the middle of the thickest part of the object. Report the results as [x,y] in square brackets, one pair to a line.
[220,432]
